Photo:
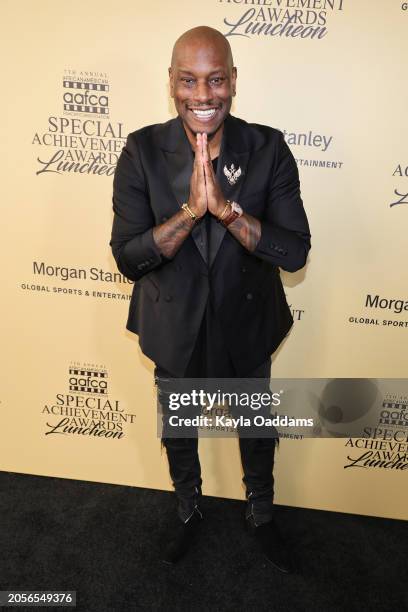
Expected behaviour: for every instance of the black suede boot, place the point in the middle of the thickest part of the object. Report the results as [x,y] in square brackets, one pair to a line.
[271,543]
[180,537]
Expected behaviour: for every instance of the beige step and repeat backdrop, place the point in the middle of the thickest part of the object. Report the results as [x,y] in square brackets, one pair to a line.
[330,74]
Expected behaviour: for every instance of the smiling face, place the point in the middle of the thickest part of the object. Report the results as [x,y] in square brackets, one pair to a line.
[202,80]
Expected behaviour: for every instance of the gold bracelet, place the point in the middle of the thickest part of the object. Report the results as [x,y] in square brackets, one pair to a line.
[188,210]
[223,212]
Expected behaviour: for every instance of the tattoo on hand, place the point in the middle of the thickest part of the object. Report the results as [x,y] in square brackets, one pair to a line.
[247,230]
[170,235]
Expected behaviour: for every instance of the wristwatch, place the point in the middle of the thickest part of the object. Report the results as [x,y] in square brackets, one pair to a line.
[234,212]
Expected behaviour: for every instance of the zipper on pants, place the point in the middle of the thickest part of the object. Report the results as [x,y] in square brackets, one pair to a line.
[194,509]
[251,508]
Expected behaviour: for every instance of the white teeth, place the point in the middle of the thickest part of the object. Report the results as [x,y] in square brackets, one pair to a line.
[204,113]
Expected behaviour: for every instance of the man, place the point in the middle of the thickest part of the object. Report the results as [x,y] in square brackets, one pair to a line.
[207,208]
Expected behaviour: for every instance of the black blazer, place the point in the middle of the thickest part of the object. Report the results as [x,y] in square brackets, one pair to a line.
[169,296]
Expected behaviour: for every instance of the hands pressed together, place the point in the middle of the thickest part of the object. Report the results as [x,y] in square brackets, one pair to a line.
[205,192]
[205,195]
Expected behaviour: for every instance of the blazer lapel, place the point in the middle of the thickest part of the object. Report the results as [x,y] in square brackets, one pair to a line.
[179,160]
[233,152]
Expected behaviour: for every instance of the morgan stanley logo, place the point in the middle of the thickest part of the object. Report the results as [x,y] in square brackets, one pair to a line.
[396,306]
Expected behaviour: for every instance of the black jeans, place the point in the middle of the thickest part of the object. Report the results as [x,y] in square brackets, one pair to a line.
[210,358]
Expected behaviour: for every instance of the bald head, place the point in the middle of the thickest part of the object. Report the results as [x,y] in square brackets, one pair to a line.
[201,38]
[202,80]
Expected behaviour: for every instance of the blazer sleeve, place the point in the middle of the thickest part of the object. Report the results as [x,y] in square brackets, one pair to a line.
[132,242]
[285,235]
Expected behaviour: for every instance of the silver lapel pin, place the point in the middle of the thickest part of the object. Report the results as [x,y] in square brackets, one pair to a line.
[232,174]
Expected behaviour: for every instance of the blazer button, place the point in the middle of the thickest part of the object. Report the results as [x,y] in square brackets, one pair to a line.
[168,298]
[243,269]
[249,296]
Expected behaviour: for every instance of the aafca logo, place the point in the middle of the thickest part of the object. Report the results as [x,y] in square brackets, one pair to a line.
[85,92]
[88,380]
[385,445]
[85,408]
[394,415]
[79,138]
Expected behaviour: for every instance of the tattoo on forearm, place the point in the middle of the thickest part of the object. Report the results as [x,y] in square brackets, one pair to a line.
[247,230]
[170,235]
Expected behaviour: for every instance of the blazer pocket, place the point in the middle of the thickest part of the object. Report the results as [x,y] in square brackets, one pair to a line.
[150,288]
